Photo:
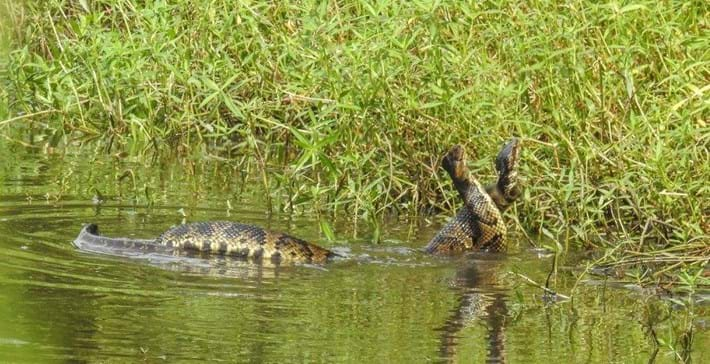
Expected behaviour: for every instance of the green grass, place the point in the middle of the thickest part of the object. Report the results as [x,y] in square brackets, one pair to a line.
[348,106]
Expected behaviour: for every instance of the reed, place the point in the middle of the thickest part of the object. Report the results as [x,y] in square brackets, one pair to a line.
[348,106]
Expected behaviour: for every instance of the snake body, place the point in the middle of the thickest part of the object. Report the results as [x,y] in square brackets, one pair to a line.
[477,226]
[218,237]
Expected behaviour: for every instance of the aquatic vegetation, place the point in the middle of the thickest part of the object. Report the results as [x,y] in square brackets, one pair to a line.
[347,107]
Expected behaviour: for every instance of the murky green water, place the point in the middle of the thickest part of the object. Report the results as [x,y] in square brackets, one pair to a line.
[385,303]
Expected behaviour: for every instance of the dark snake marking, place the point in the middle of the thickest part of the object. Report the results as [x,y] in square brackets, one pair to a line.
[478,225]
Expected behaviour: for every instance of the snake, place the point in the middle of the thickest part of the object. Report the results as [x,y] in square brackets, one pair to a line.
[477,226]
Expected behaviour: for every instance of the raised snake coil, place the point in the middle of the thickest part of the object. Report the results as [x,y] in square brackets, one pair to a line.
[477,226]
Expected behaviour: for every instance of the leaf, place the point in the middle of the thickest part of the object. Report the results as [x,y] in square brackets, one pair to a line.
[327,230]
[211,84]
[329,165]
[430,105]
[632,7]
[233,108]
[85,5]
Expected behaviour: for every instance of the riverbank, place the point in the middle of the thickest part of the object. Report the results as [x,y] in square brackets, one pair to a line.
[347,108]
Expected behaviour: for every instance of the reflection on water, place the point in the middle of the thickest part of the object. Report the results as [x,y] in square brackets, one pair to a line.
[383,303]
[480,298]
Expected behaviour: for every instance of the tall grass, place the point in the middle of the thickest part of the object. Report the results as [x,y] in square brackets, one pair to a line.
[348,106]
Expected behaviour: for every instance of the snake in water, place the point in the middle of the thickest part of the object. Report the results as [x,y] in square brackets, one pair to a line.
[478,225]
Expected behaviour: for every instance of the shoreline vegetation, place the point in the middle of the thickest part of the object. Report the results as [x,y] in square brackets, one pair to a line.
[349,106]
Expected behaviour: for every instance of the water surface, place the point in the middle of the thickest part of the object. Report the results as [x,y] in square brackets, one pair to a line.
[386,302]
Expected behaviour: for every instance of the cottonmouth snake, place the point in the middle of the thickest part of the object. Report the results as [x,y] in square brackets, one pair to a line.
[478,225]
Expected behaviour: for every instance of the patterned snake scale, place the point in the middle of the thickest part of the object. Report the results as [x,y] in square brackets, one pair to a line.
[478,225]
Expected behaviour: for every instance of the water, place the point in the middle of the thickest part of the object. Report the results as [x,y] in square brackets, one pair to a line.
[386,302]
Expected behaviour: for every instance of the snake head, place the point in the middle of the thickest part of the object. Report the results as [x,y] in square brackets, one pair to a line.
[507,158]
[92,229]
[507,167]
[455,164]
